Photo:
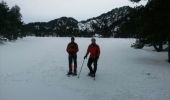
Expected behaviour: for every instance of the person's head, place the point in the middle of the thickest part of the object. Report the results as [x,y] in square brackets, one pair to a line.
[72,39]
[93,40]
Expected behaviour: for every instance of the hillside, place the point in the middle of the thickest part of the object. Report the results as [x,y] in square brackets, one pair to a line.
[106,25]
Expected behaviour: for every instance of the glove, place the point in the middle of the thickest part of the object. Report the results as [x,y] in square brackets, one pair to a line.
[85,56]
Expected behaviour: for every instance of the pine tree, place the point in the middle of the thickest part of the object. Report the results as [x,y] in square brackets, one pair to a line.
[156,21]
[11,25]
[3,18]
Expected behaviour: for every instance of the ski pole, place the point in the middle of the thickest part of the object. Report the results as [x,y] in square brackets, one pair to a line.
[81,69]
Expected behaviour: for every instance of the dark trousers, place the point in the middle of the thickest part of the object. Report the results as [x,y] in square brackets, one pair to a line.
[94,62]
[71,59]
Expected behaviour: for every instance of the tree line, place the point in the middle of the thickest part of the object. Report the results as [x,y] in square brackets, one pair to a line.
[10,22]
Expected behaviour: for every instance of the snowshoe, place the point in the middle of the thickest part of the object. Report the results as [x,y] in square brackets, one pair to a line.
[89,74]
[74,74]
[93,75]
[69,73]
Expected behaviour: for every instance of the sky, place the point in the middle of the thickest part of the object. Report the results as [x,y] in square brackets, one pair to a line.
[46,10]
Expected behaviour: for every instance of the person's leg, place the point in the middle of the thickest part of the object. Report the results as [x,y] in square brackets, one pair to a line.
[70,64]
[90,60]
[75,64]
[95,66]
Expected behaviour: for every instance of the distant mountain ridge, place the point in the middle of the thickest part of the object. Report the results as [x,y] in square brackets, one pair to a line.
[106,25]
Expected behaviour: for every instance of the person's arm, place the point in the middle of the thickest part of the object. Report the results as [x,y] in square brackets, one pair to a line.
[98,51]
[67,49]
[77,48]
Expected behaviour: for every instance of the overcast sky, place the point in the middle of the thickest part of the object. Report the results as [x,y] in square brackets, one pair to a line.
[46,10]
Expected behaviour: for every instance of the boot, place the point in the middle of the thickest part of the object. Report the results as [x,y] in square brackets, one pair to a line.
[69,73]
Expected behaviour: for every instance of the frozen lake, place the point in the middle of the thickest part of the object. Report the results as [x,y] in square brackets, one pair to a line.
[35,69]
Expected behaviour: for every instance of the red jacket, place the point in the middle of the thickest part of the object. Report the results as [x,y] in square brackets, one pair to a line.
[94,50]
[72,48]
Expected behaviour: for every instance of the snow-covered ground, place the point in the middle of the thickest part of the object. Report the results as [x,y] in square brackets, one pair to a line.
[35,69]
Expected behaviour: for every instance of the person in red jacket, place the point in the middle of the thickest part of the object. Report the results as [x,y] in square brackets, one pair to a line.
[94,51]
[72,49]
